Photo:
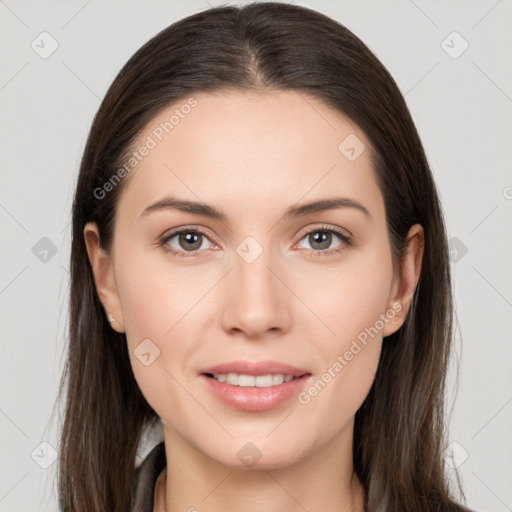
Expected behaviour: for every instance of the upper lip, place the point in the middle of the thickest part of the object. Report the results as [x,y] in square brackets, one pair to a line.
[255,368]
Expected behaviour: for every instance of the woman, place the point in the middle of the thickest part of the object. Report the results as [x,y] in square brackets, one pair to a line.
[285,376]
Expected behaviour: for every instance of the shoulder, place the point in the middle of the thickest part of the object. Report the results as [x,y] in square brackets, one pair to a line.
[146,475]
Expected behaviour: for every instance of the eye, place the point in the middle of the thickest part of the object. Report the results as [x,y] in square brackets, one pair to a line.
[188,240]
[321,238]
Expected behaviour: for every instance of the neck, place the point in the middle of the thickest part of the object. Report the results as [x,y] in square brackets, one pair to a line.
[323,480]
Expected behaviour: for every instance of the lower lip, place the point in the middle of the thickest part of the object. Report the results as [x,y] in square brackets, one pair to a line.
[252,398]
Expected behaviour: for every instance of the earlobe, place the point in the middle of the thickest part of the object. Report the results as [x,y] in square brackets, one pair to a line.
[102,269]
[410,271]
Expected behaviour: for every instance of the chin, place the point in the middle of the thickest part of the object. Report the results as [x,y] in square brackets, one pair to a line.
[255,454]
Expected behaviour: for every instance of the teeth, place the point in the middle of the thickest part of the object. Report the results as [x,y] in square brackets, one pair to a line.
[261,381]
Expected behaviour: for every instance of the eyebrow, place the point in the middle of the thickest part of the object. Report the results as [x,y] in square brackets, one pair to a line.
[199,208]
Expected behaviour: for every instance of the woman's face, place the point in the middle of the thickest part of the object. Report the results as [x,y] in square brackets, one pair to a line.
[254,285]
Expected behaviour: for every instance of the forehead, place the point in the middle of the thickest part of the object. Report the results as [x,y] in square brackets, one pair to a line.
[250,150]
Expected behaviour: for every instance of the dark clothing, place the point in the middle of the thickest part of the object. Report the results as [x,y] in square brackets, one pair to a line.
[146,475]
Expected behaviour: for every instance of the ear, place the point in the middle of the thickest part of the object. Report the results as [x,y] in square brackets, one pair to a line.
[102,269]
[405,283]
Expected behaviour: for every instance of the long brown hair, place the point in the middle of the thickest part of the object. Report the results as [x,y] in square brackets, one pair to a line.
[399,436]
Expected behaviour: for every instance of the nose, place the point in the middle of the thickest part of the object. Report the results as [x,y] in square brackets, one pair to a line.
[256,301]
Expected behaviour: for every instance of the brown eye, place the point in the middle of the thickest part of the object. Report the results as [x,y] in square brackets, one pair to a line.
[190,240]
[185,241]
[321,239]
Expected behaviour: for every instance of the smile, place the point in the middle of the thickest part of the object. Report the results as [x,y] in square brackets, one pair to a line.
[255,393]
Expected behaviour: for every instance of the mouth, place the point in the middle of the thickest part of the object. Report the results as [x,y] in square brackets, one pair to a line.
[254,386]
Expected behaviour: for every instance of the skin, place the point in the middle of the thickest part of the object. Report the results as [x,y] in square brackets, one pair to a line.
[252,155]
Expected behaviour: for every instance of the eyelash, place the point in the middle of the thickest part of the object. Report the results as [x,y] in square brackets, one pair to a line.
[347,242]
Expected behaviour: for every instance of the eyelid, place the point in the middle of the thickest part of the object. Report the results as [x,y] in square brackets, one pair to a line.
[326,227]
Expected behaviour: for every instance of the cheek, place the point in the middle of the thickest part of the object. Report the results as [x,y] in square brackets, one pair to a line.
[161,303]
[350,302]
[157,296]
[347,297]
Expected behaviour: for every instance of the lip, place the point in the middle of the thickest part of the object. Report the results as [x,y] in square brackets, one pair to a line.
[256,368]
[252,398]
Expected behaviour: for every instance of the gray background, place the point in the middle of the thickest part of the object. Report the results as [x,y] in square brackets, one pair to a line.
[462,105]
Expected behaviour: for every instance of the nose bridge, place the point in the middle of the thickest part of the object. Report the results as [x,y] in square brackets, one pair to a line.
[256,302]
